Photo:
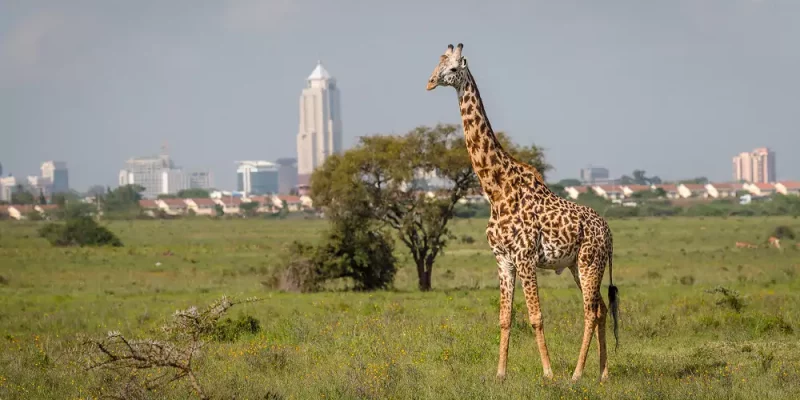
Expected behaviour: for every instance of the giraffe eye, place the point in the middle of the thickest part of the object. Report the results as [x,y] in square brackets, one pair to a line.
[453,69]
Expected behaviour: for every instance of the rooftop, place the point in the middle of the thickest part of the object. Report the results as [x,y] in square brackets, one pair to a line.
[319,73]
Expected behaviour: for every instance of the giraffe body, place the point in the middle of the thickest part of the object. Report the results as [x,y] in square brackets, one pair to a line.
[530,226]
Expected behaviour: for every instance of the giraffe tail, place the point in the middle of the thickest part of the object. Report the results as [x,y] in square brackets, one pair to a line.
[613,301]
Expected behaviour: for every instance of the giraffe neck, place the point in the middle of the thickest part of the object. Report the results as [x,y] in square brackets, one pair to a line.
[489,160]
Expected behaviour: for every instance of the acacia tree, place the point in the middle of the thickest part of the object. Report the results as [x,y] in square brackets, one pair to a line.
[410,183]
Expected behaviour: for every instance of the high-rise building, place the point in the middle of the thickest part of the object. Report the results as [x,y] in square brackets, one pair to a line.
[199,180]
[157,174]
[287,174]
[8,185]
[257,177]
[320,132]
[757,166]
[594,175]
[57,174]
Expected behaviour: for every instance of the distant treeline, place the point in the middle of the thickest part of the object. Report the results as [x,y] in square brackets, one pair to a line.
[776,205]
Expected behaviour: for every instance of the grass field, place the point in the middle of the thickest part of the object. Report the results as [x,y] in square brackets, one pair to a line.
[676,341]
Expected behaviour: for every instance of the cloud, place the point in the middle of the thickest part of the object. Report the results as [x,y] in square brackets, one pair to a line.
[257,15]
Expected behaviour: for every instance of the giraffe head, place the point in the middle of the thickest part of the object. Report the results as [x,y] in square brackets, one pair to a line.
[451,70]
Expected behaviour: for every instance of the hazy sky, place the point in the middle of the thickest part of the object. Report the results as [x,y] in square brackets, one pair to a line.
[675,87]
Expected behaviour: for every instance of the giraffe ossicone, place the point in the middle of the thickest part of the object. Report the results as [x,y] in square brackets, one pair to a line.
[531,227]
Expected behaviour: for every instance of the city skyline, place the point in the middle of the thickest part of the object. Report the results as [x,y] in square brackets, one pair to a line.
[92,83]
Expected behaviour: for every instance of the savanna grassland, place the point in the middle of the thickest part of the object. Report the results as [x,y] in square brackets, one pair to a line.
[676,339]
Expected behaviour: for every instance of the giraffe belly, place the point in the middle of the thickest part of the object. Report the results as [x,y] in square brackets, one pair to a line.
[556,258]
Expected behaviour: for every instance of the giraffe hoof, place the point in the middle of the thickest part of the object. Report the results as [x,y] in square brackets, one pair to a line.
[603,378]
[576,378]
[548,375]
[501,377]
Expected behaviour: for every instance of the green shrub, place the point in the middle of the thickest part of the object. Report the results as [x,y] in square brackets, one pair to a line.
[783,232]
[229,330]
[83,231]
[352,248]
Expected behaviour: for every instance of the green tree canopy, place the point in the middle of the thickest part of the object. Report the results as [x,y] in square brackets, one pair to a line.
[381,177]
[570,182]
[194,193]
[123,201]
[22,196]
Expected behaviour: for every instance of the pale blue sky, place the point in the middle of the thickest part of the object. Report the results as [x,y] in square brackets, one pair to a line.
[676,87]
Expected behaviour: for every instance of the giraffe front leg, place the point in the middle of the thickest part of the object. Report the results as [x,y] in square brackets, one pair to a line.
[507,275]
[527,273]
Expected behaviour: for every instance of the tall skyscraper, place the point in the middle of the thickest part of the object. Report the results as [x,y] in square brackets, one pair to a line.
[57,174]
[320,133]
[757,166]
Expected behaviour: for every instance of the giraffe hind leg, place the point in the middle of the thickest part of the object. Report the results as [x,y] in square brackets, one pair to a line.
[594,310]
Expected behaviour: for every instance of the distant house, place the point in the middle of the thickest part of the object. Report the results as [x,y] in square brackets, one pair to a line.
[472,199]
[611,192]
[760,189]
[306,202]
[148,204]
[629,190]
[264,203]
[173,206]
[19,212]
[293,203]
[47,210]
[575,191]
[230,204]
[201,206]
[687,190]
[788,188]
[722,190]
[670,190]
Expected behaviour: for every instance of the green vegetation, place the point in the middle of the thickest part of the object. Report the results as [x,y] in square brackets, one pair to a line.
[381,176]
[652,204]
[700,318]
[22,196]
[80,231]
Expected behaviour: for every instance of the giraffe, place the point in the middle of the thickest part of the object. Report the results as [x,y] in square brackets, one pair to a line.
[531,227]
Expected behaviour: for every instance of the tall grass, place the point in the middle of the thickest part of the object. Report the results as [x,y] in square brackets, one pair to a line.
[677,340]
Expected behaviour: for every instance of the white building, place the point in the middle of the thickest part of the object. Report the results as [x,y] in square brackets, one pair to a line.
[257,177]
[57,174]
[199,180]
[8,185]
[320,133]
[157,174]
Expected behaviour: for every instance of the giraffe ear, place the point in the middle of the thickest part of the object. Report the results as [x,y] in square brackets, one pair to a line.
[463,62]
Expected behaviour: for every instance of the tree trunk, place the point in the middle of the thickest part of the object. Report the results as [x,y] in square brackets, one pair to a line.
[423,276]
[424,272]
